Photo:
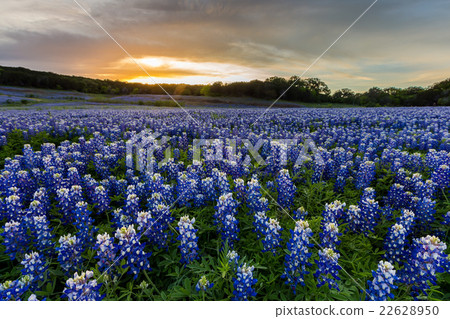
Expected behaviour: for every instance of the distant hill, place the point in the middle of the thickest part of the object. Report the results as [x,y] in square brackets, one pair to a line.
[18,76]
[310,90]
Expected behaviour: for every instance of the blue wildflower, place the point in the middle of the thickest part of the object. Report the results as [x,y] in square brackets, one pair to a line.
[296,261]
[328,268]
[69,253]
[106,251]
[13,290]
[15,239]
[427,258]
[272,239]
[203,284]
[286,189]
[132,250]
[82,288]
[365,175]
[188,240]
[41,232]
[34,266]
[243,283]
[380,288]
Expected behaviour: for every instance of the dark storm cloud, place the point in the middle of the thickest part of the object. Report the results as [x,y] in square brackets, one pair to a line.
[393,44]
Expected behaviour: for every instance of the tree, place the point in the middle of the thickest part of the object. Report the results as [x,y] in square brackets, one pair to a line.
[344,96]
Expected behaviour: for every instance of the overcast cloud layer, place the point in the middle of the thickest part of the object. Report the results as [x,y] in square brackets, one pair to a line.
[398,43]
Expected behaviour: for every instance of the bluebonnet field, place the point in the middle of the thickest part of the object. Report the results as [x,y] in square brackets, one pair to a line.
[356,209]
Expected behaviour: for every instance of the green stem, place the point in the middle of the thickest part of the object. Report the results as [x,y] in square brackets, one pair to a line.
[151,282]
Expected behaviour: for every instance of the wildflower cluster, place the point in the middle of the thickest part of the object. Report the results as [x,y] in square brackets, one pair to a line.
[82,288]
[188,240]
[296,261]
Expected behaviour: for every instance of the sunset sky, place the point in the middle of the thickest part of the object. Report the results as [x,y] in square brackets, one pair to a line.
[397,43]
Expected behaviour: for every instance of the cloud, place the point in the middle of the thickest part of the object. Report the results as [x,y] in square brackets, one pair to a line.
[395,42]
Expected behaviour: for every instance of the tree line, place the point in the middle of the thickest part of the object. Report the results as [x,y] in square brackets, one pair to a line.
[311,90]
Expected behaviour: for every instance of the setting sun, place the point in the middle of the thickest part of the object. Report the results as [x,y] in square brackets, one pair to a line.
[170,70]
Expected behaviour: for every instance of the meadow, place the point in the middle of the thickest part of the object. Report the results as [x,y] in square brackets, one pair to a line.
[225,204]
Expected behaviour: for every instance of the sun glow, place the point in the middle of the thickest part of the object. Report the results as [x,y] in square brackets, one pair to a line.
[169,70]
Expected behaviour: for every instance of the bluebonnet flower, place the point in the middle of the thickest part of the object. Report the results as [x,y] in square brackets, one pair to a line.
[84,224]
[401,176]
[318,169]
[441,176]
[222,183]
[395,243]
[286,189]
[106,251]
[15,239]
[427,259]
[208,189]
[333,212]
[101,166]
[365,175]
[186,188]
[167,193]
[233,257]
[341,178]
[253,195]
[300,213]
[73,176]
[33,298]
[328,268]
[132,205]
[82,288]
[239,189]
[330,236]
[34,266]
[145,222]
[69,253]
[244,282]
[42,234]
[25,184]
[368,193]
[230,230]
[408,220]
[121,219]
[260,223]
[446,219]
[154,182]
[380,288]
[424,210]
[263,205]
[203,284]
[199,200]
[425,189]
[131,249]
[158,230]
[36,209]
[227,224]
[155,200]
[29,156]
[188,240]
[176,154]
[272,233]
[101,199]
[353,218]
[67,200]
[296,261]
[397,196]
[13,290]
[369,215]
[14,208]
